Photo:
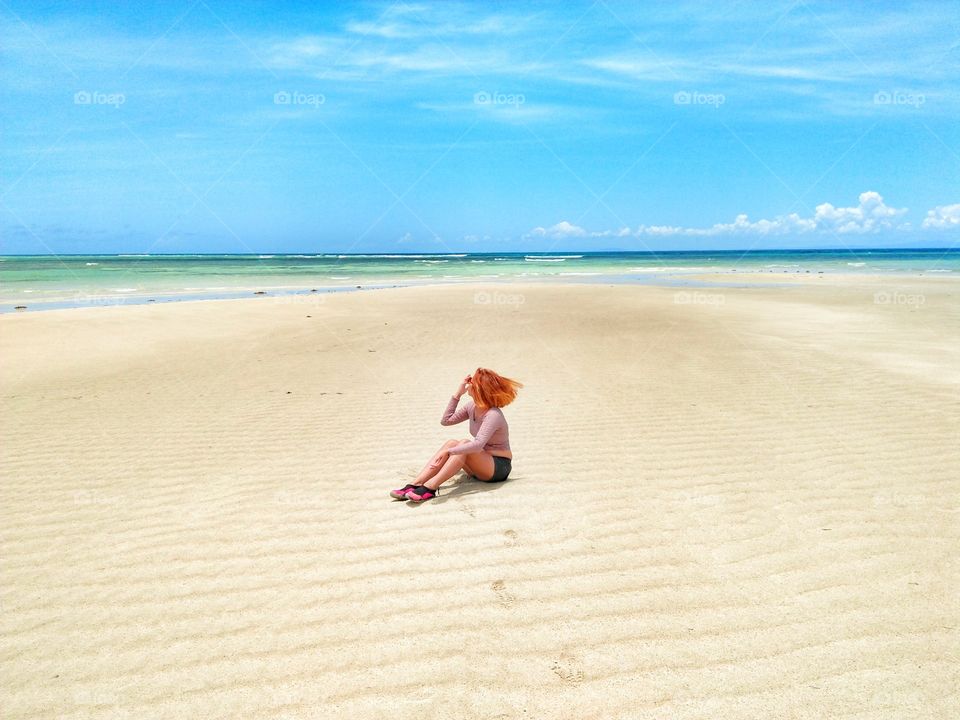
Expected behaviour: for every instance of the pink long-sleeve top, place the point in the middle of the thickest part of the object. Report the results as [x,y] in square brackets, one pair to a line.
[490,432]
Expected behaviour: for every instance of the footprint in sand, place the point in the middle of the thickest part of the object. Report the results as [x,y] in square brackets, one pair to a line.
[511,536]
[504,597]
[568,669]
[467,508]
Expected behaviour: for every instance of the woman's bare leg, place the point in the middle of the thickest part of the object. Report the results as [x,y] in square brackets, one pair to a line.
[435,463]
[451,467]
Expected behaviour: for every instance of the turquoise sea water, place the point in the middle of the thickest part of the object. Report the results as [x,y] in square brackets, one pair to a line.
[43,282]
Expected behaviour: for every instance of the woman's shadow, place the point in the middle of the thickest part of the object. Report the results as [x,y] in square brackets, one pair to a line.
[464,484]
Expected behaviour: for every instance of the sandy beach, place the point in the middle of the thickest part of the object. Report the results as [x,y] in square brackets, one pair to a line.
[725,502]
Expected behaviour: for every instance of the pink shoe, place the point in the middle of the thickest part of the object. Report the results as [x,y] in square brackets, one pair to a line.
[401,493]
[420,493]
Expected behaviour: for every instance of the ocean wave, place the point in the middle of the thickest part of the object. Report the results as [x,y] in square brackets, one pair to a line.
[534,259]
[124,290]
[552,257]
[431,261]
[856,264]
[340,277]
[89,264]
[400,257]
[579,273]
[667,268]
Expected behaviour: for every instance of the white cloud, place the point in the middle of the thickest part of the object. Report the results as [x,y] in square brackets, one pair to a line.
[943,216]
[622,232]
[562,229]
[869,216]
[741,225]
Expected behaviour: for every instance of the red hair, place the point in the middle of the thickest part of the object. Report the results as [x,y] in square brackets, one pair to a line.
[493,390]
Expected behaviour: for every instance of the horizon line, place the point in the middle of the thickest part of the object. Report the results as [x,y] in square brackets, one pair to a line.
[951,248]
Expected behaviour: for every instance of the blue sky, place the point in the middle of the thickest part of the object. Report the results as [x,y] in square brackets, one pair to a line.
[213,126]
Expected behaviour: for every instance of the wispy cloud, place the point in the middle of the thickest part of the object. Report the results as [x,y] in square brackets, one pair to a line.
[588,111]
[513,112]
[870,215]
[815,61]
[404,21]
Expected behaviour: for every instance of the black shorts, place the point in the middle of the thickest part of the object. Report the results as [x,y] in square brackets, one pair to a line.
[501,469]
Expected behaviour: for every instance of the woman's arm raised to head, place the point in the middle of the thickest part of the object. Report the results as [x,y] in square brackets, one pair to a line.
[452,416]
[491,421]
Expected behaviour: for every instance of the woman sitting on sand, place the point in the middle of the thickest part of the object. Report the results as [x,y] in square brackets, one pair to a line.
[488,457]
